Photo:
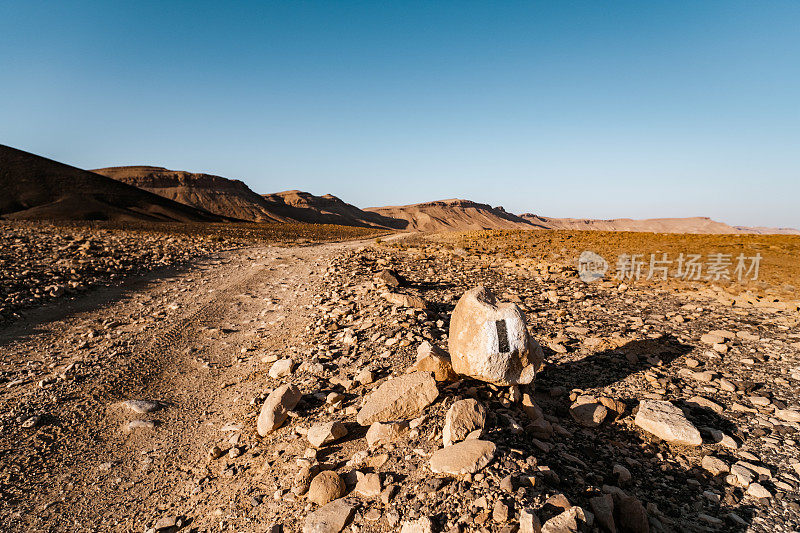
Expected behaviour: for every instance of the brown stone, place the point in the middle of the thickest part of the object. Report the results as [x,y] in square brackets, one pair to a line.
[276,408]
[399,398]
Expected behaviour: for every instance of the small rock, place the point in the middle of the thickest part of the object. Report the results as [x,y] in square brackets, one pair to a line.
[713,465]
[529,522]
[31,421]
[667,422]
[710,338]
[405,300]
[465,457]
[322,434]
[216,452]
[433,359]
[588,411]
[281,368]
[399,398]
[699,401]
[603,509]
[629,514]
[567,522]
[463,417]
[369,486]
[622,473]
[365,377]
[276,408]
[390,277]
[141,406]
[302,480]
[740,476]
[330,518]
[757,490]
[168,522]
[141,424]
[326,487]
[380,434]
[500,512]
[787,415]
[420,525]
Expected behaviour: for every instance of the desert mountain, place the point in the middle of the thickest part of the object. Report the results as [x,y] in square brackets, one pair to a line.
[222,196]
[232,198]
[453,215]
[327,209]
[654,225]
[38,188]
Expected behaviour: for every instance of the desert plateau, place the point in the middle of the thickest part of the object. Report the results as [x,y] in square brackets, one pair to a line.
[399,267]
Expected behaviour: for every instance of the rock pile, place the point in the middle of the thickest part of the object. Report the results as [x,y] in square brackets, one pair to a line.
[611,438]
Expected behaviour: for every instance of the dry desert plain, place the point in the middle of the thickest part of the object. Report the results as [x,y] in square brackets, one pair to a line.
[265,378]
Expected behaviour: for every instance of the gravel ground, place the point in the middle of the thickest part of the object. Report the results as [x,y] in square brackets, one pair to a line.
[203,343]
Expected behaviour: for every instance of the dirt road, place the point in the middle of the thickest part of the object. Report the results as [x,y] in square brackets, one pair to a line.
[190,341]
[195,352]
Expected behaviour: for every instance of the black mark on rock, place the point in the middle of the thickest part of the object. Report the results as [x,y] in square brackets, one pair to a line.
[502,336]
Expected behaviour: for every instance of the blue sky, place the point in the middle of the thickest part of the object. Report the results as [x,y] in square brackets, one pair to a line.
[580,109]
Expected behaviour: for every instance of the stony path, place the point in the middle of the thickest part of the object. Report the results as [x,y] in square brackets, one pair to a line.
[654,411]
[191,342]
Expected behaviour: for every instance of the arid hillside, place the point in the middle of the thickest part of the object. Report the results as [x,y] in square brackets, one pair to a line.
[453,215]
[223,196]
[327,209]
[38,188]
[233,198]
[43,189]
[652,225]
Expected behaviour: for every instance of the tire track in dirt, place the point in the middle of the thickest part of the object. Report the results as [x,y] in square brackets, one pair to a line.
[89,473]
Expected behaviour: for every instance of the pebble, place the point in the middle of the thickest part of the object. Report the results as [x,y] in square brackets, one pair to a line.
[281,368]
[142,406]
[141,424]
[276,407]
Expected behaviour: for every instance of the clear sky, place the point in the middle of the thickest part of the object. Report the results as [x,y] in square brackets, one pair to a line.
[584,109]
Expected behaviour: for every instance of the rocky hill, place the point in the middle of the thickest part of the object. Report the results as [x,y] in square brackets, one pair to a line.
[223,196]
[453,215]
[38,188]
[233,198]
[327,209]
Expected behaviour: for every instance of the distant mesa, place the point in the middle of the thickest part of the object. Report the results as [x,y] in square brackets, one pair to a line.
[654,225]
[328,209]
[453,215]
[38,188]
[215,194]
[233,198]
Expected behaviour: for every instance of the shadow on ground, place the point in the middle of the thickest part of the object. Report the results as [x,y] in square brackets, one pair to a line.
[661,473]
